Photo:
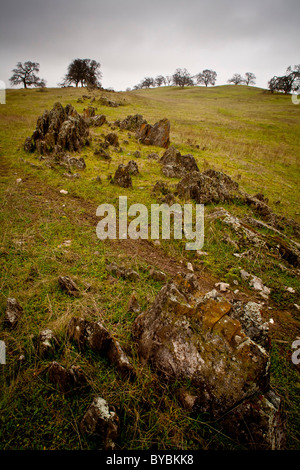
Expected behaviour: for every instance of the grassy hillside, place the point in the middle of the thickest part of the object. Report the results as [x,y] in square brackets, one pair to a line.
[250,135]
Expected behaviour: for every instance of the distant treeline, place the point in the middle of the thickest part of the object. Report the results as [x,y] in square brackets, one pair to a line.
[86,72]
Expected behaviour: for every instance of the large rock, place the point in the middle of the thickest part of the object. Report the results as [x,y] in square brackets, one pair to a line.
[58,130]
[188,338]
[158,134]
[208,187]
[175,165]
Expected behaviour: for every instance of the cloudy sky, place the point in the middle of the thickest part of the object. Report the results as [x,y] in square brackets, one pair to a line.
[133,39]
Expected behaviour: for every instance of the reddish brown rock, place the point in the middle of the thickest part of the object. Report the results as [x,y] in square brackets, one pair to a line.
[158,135]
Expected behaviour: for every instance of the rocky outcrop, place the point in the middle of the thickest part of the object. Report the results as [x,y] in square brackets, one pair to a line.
[158,134]
[131,123]
[204,340]
[58,130]
[175,165]
[132,167]
[93,335]
[208,187]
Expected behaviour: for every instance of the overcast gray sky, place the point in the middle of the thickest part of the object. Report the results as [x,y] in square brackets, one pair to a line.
[137,38]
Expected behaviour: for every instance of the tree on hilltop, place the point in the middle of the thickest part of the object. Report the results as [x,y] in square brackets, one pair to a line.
[287,83]
[85,72]
[236,79]
[206,77]
[182,78]
[25,73]
[249,78]
[160,80]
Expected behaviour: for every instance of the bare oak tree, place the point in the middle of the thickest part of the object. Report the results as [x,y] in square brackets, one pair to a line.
[182,78]
[249,78]
[206,77]
[25,73]
[236,79]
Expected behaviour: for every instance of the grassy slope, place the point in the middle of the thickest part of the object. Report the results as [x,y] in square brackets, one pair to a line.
[248,134]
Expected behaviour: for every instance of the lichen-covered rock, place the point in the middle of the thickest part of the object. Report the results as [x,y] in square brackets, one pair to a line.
[131,123]
[101,421]
[175,165]
[47,342]
[207,187]
[94,335]
[96,121]
[158,134]
[58,130]
[13,313]
[77,162]
[201,340]
[122,177]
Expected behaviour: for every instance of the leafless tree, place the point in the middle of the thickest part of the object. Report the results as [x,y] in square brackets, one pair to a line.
[160,80]
[236,79]
[249,78]
[206,77]
[182,78]
[25,73]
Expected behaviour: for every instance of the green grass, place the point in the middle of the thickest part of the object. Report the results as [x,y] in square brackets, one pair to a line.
[252,136]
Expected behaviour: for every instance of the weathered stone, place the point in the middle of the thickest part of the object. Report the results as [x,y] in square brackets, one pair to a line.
[97,121]
[68,285]
[77,162]
[101,421]
[132,167]
[250,317]
[176,165]
[200,342]
[13,313]
[47,343]
[207,187]
[94,335]
[158,134]
[131,123]
[88,112]
[112,139]
[58,130]
[66,380]
[122,177]
[258,422]
[119,271]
